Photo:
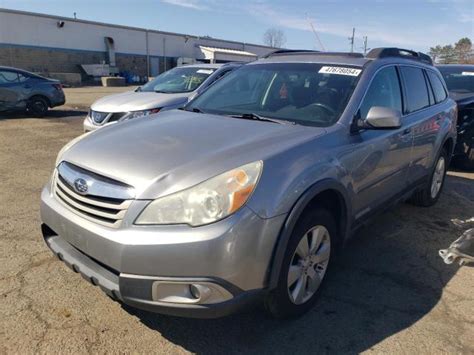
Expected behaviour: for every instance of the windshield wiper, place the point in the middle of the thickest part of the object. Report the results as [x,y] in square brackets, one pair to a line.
[194,109]
[255,117]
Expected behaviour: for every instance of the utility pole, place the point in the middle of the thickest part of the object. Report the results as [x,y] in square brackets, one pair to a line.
[351,39]
[365,45]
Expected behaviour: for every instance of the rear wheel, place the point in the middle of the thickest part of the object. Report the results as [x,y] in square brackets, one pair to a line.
[429,194]
[305,265]
[37,106]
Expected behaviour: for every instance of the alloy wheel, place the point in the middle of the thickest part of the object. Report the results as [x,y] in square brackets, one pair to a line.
[438,177]
[309,264]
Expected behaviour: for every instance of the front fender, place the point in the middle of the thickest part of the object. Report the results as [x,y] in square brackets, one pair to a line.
[295,213]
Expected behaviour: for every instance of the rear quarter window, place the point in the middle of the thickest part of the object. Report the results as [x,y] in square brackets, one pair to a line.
[438,87]
[415,88]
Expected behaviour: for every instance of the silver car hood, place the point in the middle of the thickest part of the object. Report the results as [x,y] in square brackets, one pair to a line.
[137,101]
[174,150]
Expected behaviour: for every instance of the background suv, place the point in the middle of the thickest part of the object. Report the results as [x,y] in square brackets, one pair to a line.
[169,90]
[460,82]
[247,193]
[21,90]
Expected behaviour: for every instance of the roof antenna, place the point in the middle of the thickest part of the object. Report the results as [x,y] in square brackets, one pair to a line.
[315,33]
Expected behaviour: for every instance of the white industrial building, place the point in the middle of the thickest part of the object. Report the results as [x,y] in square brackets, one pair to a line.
[54,44]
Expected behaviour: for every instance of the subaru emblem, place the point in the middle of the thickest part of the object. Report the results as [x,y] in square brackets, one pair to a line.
[80,185]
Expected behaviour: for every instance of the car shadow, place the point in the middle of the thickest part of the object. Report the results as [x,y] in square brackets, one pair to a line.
[52,114]
[387,278]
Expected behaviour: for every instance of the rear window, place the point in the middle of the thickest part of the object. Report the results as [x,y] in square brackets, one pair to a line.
[416,89]
[438,87]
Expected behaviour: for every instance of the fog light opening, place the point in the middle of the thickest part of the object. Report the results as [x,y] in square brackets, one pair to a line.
[199,292]
[195,292]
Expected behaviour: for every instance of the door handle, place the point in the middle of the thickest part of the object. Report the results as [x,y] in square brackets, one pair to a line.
[406,131]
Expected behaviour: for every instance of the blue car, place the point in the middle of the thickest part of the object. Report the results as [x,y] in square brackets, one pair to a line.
[24,91]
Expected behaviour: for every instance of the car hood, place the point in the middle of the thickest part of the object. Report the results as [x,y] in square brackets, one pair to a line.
[174,150]
[137,101]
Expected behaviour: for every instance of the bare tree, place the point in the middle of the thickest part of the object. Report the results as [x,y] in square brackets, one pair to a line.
[274,37]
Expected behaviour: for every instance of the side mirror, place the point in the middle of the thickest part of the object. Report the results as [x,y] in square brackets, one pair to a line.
[382,118]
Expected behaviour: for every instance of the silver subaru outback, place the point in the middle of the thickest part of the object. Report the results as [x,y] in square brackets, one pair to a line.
[246,194]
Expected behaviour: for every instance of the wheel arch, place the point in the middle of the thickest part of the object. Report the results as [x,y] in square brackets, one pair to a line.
[328,193]
[48,101]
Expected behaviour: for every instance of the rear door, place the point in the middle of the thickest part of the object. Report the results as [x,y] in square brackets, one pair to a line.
[379,172]
[422,117]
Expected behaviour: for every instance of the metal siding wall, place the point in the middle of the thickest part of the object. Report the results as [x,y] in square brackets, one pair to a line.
[40,31]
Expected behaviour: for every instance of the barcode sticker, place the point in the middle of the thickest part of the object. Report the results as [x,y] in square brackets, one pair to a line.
[340,71]
[467,73]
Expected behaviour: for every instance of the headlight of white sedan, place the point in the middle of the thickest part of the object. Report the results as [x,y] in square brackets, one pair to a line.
[206,202]
[137,114]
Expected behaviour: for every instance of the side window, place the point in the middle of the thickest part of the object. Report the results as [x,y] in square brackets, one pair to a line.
[8,77]
[430,89]
[416,89]
[383,91]
[438,87]
[22,78]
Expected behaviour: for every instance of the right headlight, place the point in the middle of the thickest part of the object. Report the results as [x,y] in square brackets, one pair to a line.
[206,202]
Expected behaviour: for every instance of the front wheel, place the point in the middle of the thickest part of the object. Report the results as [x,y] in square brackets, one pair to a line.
[429,194]
[306,262]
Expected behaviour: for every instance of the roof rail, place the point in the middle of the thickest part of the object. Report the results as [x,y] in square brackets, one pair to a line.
[283,52]
[399,52]
[288,51]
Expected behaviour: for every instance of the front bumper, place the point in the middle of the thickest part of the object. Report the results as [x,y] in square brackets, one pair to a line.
[136,291]
[234,254]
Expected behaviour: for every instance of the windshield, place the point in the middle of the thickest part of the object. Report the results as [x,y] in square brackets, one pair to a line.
[304,93]
[459,79]
[178,80]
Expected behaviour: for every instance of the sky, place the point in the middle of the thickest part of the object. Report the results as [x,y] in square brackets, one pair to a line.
[411,24]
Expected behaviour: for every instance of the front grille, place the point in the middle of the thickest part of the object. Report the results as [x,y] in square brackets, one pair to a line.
[105,117]
[106,211]
[98,117]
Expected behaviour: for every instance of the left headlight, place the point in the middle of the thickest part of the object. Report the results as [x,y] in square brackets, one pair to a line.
[206,202]
[136,114]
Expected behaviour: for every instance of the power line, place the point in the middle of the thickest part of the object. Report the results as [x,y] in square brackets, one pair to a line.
[315,33]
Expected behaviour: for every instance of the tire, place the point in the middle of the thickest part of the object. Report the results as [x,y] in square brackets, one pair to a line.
[429,195]
[37,106]
[285,301]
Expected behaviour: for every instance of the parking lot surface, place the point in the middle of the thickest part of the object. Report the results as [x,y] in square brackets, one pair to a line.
[390,291]
[81,98]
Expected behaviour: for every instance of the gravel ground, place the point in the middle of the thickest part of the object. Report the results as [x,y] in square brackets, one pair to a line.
[389,293]
[81,98]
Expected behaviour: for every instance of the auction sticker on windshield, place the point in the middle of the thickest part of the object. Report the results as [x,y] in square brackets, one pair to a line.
[340,71]
[467,73]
